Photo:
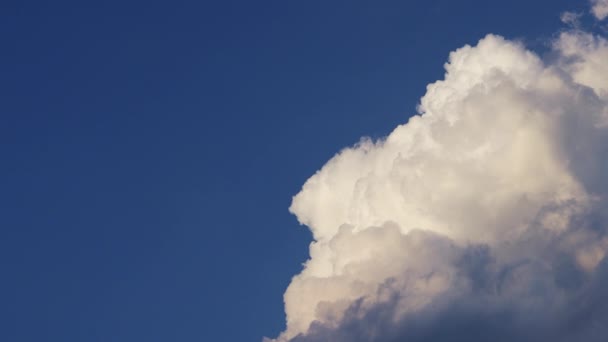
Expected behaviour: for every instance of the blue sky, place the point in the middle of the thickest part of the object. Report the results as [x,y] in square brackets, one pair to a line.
[150,150]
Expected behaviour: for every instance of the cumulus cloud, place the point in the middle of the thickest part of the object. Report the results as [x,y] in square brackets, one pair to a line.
[482,218]
[599,9]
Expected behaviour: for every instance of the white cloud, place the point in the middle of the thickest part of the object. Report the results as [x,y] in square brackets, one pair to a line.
[599,9]
[587,57]
[507,157]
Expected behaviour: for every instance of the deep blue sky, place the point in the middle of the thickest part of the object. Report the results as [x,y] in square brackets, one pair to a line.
[150,149]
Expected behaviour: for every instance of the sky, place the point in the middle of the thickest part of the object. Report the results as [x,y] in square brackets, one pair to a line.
[151,150]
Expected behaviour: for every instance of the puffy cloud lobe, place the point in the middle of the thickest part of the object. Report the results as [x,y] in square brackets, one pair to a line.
[585,59]
[599,9]
[482,218]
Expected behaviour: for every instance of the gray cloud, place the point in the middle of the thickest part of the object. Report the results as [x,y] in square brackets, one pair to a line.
[524,300]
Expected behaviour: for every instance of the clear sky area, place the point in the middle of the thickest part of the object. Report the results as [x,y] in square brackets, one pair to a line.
[150,150]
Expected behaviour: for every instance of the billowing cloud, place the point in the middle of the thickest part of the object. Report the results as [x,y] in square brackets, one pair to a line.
[599,9]
[482,218]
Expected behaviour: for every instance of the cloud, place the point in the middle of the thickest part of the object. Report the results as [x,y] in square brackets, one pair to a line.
[482,218]
[571,18]
[599,9]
